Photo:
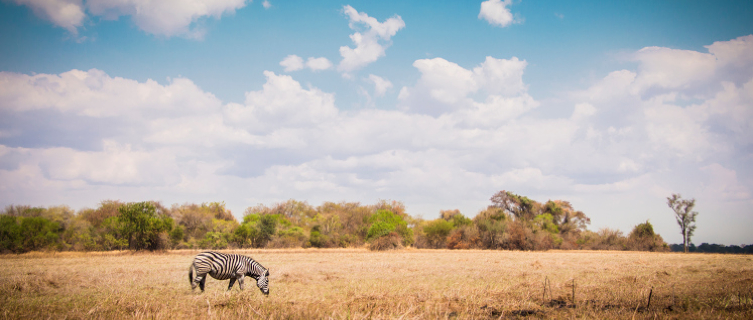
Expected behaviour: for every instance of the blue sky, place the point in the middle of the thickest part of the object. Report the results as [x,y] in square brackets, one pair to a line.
[610,105]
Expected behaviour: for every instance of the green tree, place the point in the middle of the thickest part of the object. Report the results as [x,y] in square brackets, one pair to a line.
[10,234]
[684,215]
[143,227]
[316,239]
[177,234]
[267,228]
[39,233]
[437,231]
[383,222]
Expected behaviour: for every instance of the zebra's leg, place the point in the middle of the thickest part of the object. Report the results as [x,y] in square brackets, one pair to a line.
[198,280]
[202,282]
[232,281]
[240,282]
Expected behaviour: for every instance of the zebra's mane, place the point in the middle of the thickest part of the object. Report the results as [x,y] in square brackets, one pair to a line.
[255,265]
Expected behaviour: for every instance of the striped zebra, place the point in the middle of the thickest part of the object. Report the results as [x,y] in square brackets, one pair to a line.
[223,266]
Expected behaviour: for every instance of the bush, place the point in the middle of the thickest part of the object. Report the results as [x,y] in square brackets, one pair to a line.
[10,234]
[436,232]
[384,222]
[465,237]
[39,233]
[317,239]
[519,237]
[643,238]
[391,241]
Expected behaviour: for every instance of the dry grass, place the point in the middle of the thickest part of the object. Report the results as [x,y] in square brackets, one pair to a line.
[407,284]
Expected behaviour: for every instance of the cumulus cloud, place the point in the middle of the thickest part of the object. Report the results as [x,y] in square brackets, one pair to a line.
[67,14]
[162,18]
[165,18]
[93,93]
[371,43]
[295,63]
[266,4]
[318,64]
[292,63]
[282,102]
[497,13]
[380,84]
[445,86]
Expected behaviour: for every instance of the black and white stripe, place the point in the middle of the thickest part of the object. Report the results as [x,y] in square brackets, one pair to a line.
[223,266]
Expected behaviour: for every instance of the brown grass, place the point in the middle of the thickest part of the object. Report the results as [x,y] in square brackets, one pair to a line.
[400,284]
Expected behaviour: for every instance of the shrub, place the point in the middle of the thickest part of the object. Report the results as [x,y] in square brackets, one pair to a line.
[39,233]
[643,238]
[383,222]
[465,237]
[390,241]
[10,234]
[317,239]
[436,232]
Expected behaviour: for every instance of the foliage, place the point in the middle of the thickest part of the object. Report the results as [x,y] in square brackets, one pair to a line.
[390,241]
[39,233]
[713,248]
[511,222]
[10,234]
[436,232]
[643,238]
[384,222]
[142,227]
[684,215]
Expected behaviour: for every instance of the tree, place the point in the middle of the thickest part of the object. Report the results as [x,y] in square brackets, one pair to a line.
[384,222]
[437,231]
[143,227]
[685,216]
[39,233]
[10,234]
[521,207]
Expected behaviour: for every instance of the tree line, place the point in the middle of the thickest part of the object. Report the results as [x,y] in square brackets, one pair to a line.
[510,222]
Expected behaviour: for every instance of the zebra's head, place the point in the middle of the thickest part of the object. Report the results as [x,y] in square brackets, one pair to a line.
[263,282]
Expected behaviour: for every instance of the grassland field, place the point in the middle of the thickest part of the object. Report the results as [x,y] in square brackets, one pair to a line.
[403,284]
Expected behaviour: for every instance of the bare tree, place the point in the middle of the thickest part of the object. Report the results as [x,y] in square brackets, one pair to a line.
[685,216]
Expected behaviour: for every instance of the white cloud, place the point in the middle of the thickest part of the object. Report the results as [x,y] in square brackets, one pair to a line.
[445,86]
[446,81]
[380,84]
[737,52]
[371,44]
[501,76]
[292,63]
[266,4]
[583,110]
[295,63]
[95,94]
[497,13]
[168,17]
[318,64]
[162,18]
[282,102]
[67,14]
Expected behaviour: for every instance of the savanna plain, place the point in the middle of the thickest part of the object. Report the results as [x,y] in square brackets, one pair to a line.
[399,284]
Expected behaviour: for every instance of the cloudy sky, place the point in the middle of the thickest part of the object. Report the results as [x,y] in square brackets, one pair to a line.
[610,105]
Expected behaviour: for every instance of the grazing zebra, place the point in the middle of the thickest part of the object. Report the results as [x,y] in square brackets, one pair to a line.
[223,266]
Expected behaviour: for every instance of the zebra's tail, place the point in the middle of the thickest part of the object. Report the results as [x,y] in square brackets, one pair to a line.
[190,274]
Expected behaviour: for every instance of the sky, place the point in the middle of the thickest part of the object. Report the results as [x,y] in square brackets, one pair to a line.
[612,106]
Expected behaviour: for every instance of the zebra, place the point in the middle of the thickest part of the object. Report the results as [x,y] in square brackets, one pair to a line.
[223,266]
